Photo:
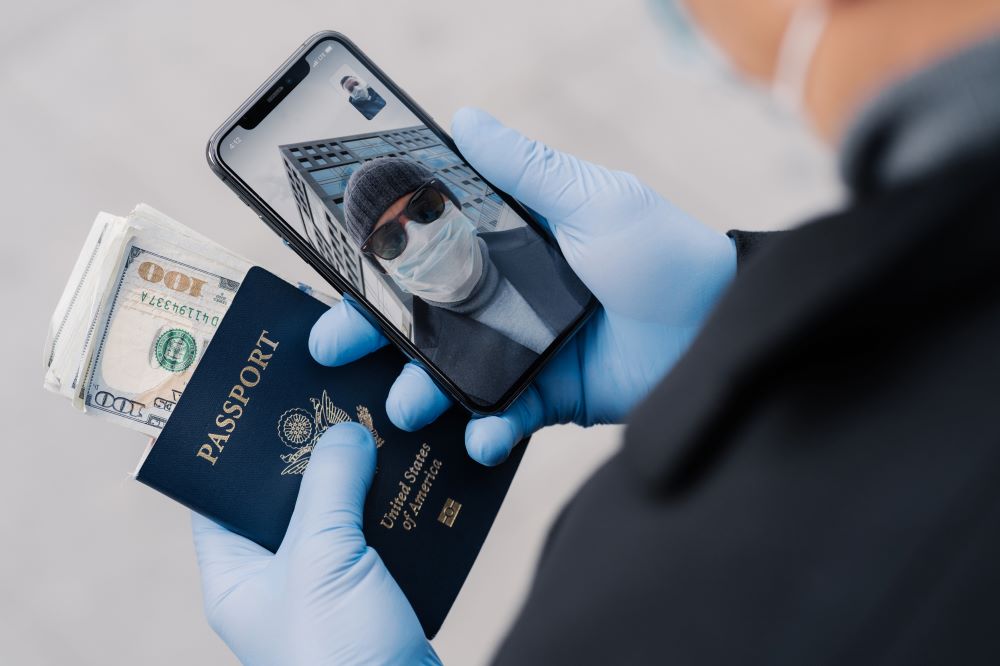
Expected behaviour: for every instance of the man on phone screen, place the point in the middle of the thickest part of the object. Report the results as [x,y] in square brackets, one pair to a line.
[362,96]
[504,294]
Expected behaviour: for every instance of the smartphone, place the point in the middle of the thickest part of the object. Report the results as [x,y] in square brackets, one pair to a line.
[374,195]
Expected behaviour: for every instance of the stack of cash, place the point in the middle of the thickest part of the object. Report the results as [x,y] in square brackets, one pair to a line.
[143,301]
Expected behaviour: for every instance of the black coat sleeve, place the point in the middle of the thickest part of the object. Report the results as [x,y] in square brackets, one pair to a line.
[749,244]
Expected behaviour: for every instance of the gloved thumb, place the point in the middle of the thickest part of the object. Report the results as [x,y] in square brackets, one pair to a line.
[327,515]
[554,184]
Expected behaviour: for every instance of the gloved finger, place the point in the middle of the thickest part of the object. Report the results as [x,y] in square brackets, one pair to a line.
[224,558]
[490,439]
[553,183]
[327,512]
[215,543]
[343,335]
[414,399]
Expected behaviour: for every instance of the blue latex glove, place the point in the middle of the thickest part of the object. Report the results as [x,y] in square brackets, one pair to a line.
[656,271]
[325,597]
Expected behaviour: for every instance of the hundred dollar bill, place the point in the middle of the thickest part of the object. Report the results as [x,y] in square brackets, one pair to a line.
[142,303]
[162,312]
[69,345]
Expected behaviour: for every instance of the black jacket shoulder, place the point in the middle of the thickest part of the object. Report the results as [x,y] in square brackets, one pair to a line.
[816,479]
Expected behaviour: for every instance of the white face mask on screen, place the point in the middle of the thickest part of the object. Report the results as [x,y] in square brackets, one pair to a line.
[795,56]
[360,93]
[442,261]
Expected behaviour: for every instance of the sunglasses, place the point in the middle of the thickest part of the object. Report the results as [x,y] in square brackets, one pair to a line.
[425,206]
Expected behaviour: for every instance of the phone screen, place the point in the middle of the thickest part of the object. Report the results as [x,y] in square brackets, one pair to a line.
[419,235]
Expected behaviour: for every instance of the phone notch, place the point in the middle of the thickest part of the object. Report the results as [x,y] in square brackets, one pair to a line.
[281,88]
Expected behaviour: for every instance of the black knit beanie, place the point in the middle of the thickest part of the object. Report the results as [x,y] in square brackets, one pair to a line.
[375,186]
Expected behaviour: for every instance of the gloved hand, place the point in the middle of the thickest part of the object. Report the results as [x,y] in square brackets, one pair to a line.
[656,271]
[324,597]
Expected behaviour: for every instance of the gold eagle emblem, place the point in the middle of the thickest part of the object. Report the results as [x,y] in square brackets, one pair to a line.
[300,428]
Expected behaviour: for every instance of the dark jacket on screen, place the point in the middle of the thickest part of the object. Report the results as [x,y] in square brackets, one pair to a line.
[370,107]
[542,277]
[817,481]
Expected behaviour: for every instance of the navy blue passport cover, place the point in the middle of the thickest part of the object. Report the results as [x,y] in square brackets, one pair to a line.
[430,506]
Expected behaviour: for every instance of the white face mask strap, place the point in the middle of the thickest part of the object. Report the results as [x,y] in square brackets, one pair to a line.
[797,52]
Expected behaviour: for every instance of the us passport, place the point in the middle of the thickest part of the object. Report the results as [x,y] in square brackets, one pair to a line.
[240,437]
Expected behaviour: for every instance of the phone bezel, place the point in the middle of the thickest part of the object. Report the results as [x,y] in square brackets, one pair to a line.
[270,217]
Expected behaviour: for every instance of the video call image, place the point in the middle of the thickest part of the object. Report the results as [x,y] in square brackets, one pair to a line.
[360,95]
[403,219]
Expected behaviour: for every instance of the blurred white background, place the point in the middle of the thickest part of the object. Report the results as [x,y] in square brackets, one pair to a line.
[108,103]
